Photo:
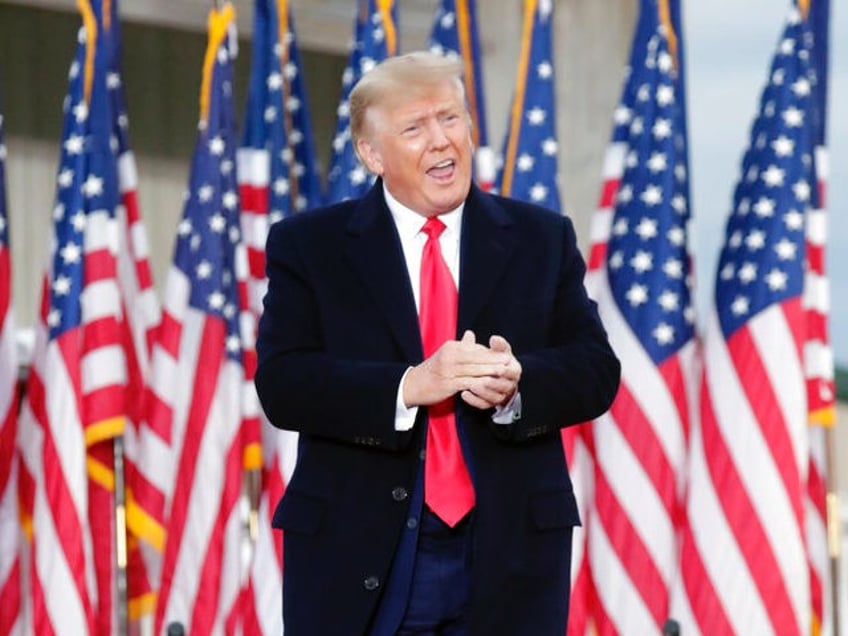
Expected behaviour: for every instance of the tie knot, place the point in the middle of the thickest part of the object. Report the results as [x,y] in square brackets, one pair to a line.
[433,228]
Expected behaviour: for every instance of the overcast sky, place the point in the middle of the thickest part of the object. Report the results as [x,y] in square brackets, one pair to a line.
[729,47]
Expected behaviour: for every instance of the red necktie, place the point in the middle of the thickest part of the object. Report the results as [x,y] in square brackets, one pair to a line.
[447,485]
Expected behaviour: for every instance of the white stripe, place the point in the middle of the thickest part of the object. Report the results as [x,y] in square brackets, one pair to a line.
[818,360]
[266,574]
[102,367]
[65,426]
[253,166]
[139,246]
[100,299]
[636,494]
[648,389]
[822,163]
[101,232]
[614,160]
[617,591]
[775,344]
[599,231]
[127,173]
[752,456]
[247,329]
[816,293]
[220,431]
[177,291]
[816,229]
[254,228]
[715,543]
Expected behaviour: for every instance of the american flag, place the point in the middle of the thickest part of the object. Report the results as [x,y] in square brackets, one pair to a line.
[455,33]
[818,355]
[278,176]
[11,619]
[529,167]
[142,314]
[375,38]
[744,557]
[75,398]
[639,275]
[198,388]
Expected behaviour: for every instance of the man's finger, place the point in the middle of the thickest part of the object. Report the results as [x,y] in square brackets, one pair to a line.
[500,344]
[468,337]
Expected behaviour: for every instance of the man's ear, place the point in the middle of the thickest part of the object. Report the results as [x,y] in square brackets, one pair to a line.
[370,157]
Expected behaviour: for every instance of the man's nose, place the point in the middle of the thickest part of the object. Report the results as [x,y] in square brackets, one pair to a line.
[438,138]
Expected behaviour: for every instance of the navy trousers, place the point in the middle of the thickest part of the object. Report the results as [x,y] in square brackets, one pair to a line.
[441,579]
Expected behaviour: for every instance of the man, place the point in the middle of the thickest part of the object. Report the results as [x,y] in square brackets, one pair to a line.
[397,384]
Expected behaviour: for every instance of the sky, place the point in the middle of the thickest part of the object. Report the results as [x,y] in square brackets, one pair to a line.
[729,46]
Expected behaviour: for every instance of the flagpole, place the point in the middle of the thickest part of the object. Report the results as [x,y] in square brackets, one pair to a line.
[834,528]
[122,617]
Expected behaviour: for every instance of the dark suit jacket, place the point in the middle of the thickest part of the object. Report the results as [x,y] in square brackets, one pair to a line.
[338,331]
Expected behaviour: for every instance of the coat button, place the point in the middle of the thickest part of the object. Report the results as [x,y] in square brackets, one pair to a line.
[399,493]
[371,583]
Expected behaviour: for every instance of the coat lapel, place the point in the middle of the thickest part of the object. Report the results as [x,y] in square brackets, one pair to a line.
[487,246]
[374,250]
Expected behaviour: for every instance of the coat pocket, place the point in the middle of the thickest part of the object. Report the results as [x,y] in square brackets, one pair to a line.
[299,512]
[554,509]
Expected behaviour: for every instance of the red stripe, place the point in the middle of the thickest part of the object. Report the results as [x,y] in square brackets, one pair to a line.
[767,413]
[168,334]
[5,287]
[815,258]
[130,199]
[206,605]
[10,599]
[609,190]
[256,261]
[630,549]
[672,375]
[8,435]
[143,274]
[741,516]
[636,428]
[597,256]
[101,332]
[41,619]
[816,326]
[254,200]
[103,404]
[59,499]
[706,606]
[160,416]
[101,516]
[99,265]
[145,494]
[209,359]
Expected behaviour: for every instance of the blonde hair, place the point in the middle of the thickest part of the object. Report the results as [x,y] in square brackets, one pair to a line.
[400,77]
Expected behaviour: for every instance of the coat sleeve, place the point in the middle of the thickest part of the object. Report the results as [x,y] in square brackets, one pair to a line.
[575,376]
[302,386]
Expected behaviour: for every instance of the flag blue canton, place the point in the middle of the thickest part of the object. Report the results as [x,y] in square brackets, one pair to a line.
[347,177]
[647,253]
[278,118]
[534,161]
[86,183]
[762,260]
[208,234]
[446,38]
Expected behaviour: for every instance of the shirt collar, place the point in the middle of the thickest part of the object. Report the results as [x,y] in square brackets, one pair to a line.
[409,222]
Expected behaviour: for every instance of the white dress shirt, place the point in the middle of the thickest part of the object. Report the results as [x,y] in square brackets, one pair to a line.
[412,240]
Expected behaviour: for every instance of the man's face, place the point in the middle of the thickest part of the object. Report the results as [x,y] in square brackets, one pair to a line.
[420,144]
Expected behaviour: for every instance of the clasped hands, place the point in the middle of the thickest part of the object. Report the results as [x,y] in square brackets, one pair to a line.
[484,377]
